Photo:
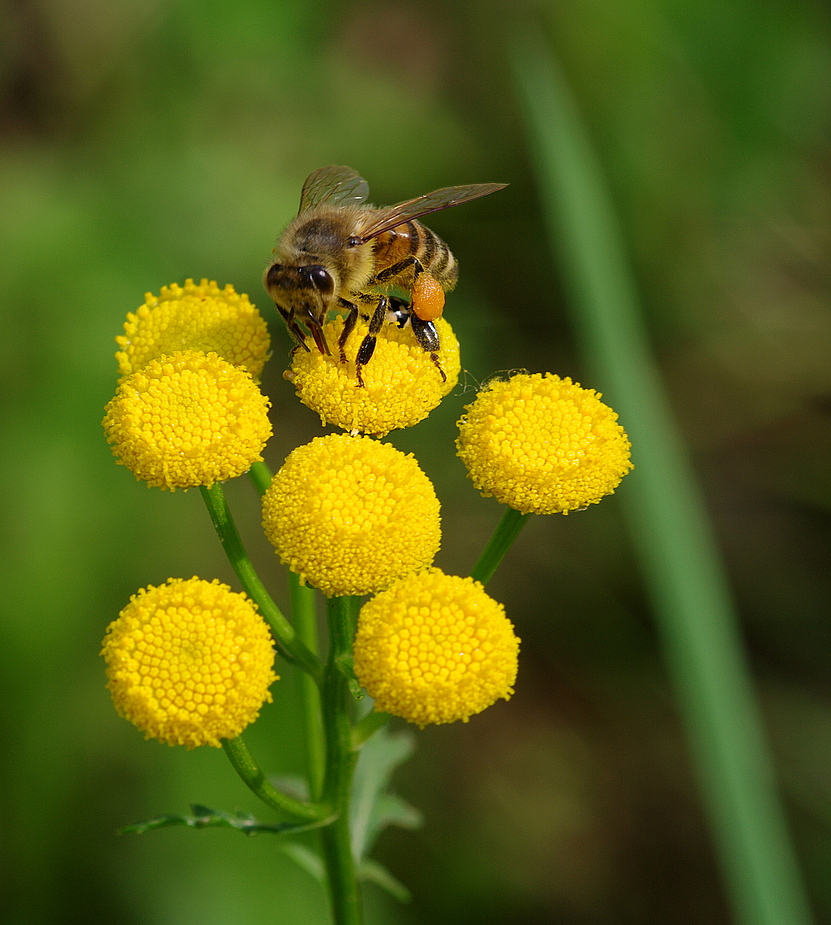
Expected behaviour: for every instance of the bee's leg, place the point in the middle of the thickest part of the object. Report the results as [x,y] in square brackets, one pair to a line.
[348,326]
[390,273]
[428,337]
[367,347]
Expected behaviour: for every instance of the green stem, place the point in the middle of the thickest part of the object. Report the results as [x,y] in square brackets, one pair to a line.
[340,764]
[291,647]
[678,551]
[254,778]
[260,475]
[507,530]
[304,611]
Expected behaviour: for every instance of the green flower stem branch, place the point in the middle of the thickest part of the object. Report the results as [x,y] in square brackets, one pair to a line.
[681,564]
[340,763]
[260,475]
[304,612]
[255,779]
[292,647]
[507,530]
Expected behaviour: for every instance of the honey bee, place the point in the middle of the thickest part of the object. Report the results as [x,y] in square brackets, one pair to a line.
[341,253]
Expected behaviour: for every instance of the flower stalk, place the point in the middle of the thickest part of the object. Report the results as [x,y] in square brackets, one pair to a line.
[255,779]
[507,530]
[191,663]
[291,646]
[340,765]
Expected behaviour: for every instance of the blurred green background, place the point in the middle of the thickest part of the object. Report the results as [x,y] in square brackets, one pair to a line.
[144,142]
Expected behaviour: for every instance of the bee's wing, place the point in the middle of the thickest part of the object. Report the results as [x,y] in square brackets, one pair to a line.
[333,184]
[389,217]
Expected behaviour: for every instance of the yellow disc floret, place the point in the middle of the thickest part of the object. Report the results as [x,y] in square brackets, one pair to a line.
[349,514]
[434,648]
[402,383]
[542,444]
[188,419]
[191,317]
[189,662]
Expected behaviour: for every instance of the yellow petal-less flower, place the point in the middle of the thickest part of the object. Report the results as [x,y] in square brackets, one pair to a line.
[194,317]
[188,419]
[189,662]
[402,384]
[349,514]
[542,444]
[434,648]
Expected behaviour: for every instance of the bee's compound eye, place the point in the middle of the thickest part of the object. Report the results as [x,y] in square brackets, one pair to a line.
[274,276]
[320,278]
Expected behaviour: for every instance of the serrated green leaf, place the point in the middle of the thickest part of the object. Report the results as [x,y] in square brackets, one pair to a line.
[373,808]
[304,857]
[373,872]
[204,818]
[391,809]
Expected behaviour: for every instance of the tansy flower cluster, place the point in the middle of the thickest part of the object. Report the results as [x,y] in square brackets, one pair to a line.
[199,317]
[188,411]
[349,514]
[435,648]
[190,662]
[402,384]
[542,444]
[188,419]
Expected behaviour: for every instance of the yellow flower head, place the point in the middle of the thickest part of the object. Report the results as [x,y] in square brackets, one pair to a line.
[204,318]
[188,419]
[189,662]
[349,514]
[542,444]
[434,648]
[402,384]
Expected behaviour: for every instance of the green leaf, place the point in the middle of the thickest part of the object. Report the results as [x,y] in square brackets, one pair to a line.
[373,872]
[205,818]
[373,808]
[307,859]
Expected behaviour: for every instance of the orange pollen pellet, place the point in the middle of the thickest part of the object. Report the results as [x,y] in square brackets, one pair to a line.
[428,298]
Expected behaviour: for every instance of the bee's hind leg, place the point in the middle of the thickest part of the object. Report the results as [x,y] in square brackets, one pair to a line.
[428,338]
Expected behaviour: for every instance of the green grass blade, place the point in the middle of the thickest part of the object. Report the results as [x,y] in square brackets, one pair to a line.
[681,564]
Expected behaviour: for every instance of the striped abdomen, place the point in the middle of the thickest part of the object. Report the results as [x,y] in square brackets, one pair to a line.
[412,239]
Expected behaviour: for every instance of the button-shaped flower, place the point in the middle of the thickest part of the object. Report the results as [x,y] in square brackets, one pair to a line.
[542,444]
[350,514]
[188,419]
[194,317]
[402,383]
[189,662]
[434,648]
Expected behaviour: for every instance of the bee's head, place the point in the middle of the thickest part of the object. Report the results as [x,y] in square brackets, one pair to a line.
[301,294]
[291,286]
